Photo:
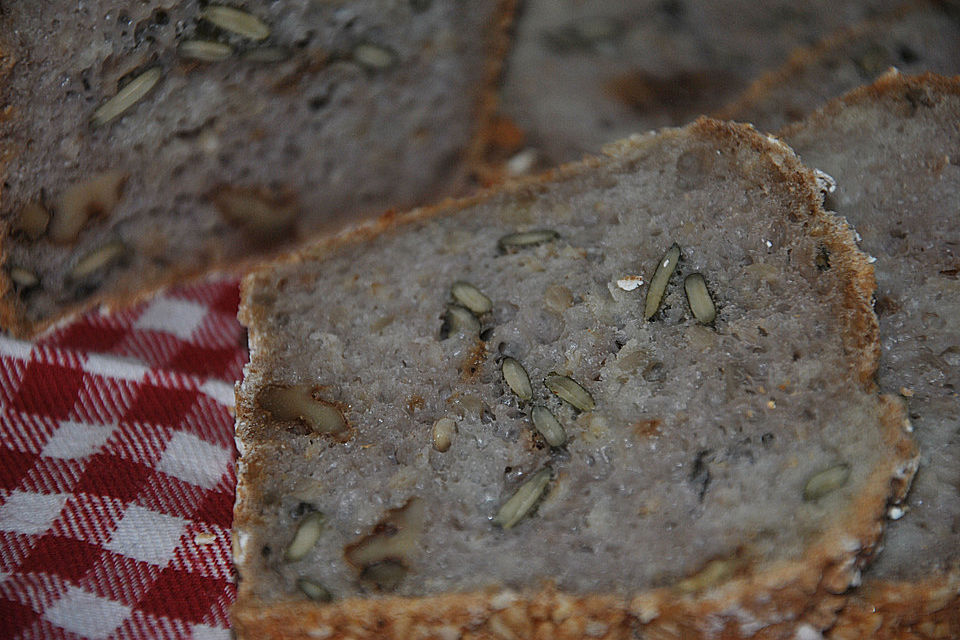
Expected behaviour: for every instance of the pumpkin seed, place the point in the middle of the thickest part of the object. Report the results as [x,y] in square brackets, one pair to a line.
[516,378]
[131,94]
[525,239]
[471,297]
[548,426]
[570,391]
[523,500]
[658,283]
[698,296]
[374,57]
[308,532]
[314,590]
[457,320]
[204,50]
[826,481]
[236,21]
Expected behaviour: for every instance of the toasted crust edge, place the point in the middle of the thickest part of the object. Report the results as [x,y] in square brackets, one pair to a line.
[896,610]
[13,311]
[775,600]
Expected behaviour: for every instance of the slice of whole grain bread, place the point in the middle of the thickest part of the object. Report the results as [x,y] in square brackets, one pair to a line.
[582,74]
[448,429]
[894,149]
[919,37]
[147,142]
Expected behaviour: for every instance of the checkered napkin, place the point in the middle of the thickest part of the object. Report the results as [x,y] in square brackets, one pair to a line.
[116,472]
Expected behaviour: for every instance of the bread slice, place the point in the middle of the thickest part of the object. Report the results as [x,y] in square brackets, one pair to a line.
[894,150]
[919,37]
[582,74]
[452,430]
[146,142]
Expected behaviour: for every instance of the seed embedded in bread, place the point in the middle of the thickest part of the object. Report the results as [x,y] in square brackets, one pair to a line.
[98,260]
[246,25]
[314,590]
[659,281]
[826,482]
[570,391]
[471,297]
[548,426]
[374,57]
[523,500]
[381,555]
[23,279]
[308,532]
[301,402]
[95,197]
[204,50]
[524,239]
[516,378]
[698,296]
[443,432]
[132,93]
[459,320]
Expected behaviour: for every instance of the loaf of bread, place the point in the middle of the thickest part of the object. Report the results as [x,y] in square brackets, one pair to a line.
[894,150]
[146,142]
[627,399]
[919,37]
[582,74]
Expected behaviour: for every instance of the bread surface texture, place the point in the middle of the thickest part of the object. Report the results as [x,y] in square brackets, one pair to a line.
[713,480]
[892,149]
[147,142]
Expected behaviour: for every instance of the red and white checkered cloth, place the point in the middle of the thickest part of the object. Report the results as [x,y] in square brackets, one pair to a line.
[117,472]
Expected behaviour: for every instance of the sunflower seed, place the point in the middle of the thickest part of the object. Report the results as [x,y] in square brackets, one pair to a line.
[521,502]
[658,283]
[471,297]
[701,304]
[98,259]
[299,402]
[458,320]
[95,197]
[826,481]
[570,391]
[257,210]
[132,93]
[266,54]
[204,50]
[236,21]
[516,378]
[548,426]
[32,221]
[525,239]
[23,279]
[314,590]
[443,431]
[308,532]
[373,56]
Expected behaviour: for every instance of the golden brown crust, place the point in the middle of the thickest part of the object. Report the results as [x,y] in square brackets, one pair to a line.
[132,290]
[761,602]
[928,610]
[888,610]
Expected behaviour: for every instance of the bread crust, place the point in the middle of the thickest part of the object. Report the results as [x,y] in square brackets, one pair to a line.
[896,610]
[765,602]
[131,290]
